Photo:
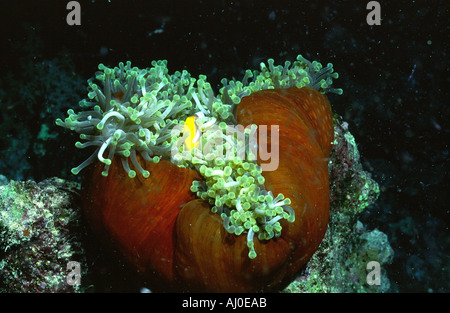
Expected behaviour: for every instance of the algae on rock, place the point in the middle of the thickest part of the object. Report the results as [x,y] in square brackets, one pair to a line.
[340,263]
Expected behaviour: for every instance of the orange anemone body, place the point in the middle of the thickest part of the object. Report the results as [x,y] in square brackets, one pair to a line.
[180,245]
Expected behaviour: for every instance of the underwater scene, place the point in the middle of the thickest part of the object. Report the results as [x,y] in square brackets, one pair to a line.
[269,147]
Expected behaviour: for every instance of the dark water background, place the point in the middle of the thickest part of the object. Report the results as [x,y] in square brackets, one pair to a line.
[395,79]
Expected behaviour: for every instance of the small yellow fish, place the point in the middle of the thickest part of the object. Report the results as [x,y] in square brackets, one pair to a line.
[194,134]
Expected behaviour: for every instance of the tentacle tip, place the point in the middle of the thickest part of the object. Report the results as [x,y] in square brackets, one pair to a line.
[252,254]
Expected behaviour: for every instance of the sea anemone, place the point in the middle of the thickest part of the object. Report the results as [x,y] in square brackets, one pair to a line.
[133,111]
[200,172]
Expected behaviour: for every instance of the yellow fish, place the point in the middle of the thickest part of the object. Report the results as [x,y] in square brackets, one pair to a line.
[194,133]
